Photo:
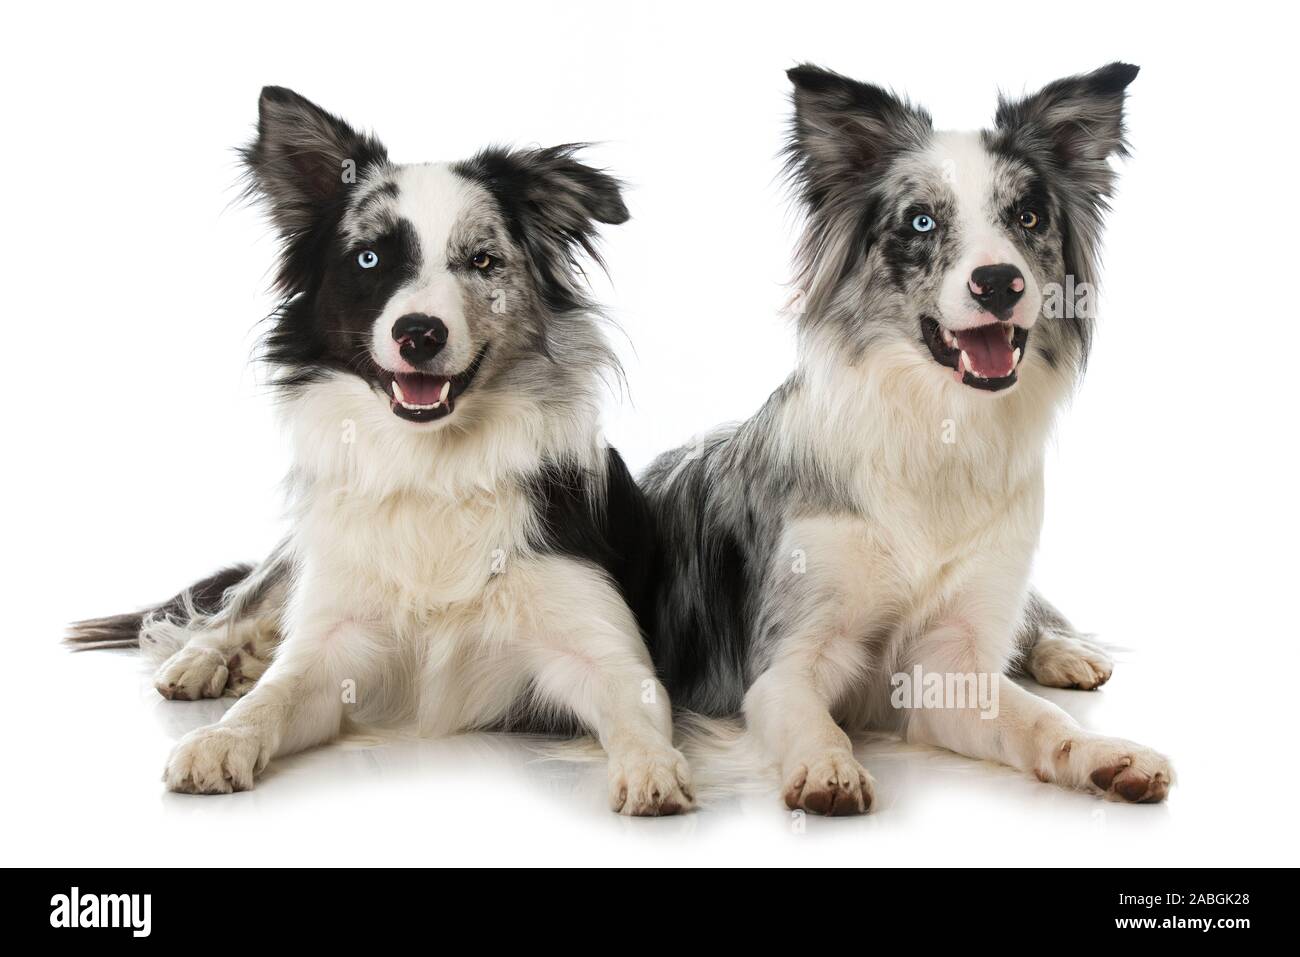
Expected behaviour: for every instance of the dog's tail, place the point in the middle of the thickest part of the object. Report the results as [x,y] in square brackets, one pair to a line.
[724,759]
[722,753]
[221,599]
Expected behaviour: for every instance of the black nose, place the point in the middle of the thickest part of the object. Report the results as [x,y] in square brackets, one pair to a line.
[997,288]
[419,337]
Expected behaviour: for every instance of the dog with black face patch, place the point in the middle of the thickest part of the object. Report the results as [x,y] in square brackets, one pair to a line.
[865,539]
[466,552]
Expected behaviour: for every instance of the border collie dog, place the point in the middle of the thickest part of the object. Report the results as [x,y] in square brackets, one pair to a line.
[466,552]
[877,518]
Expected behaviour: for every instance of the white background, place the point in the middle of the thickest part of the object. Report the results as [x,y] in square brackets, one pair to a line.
[139,449]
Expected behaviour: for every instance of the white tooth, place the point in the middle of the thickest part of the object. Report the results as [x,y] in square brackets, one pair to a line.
[1015,358]
[446,388]
[397,391]
[965,362]
[1009,331]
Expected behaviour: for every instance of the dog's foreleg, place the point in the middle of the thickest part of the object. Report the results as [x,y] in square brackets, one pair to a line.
[297,704]
[586,654]
[812,624]
[1014,727]
[787,710]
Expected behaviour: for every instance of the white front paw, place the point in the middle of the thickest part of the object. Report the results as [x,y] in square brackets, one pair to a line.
[649,782]
[215,760]
[833,784]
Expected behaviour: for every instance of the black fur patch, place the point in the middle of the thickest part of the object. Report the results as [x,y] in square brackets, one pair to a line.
[328,326]
[610,528]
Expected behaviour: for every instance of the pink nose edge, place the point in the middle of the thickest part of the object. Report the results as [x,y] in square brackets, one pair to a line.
[975,287]
[1017,285]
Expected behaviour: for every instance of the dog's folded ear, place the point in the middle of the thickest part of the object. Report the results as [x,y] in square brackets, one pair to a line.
[1075,121]
[565,191]
[303,160]
[550,189]
[843,130]
[553,205]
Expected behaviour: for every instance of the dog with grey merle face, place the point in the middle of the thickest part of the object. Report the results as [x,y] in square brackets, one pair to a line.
[465,550]
[872,526]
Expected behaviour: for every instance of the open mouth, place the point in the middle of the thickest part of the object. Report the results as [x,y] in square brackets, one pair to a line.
[423,397]
[985,357]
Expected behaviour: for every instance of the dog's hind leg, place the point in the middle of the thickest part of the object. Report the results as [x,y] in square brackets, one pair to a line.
[220,659]
[1012,726]
[1056,655]
[222,646]
[213,638]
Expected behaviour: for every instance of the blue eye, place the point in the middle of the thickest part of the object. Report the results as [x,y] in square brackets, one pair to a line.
[368,259]
[923,223]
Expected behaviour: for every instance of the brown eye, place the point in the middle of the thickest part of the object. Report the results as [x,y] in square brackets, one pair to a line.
[481,261]
[1029,219]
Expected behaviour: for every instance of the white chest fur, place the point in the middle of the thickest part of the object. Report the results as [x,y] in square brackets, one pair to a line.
[395,523]
[946,483]
[408,557]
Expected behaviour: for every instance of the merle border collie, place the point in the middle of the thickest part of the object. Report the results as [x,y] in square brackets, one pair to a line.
[879,514]
[466,552]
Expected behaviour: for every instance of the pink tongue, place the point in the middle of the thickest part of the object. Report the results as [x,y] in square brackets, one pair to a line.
[988,351]
[420,389]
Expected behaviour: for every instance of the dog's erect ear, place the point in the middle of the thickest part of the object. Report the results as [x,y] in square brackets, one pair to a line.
[1077,121]
[843,129]
[303,160]
[553,205]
